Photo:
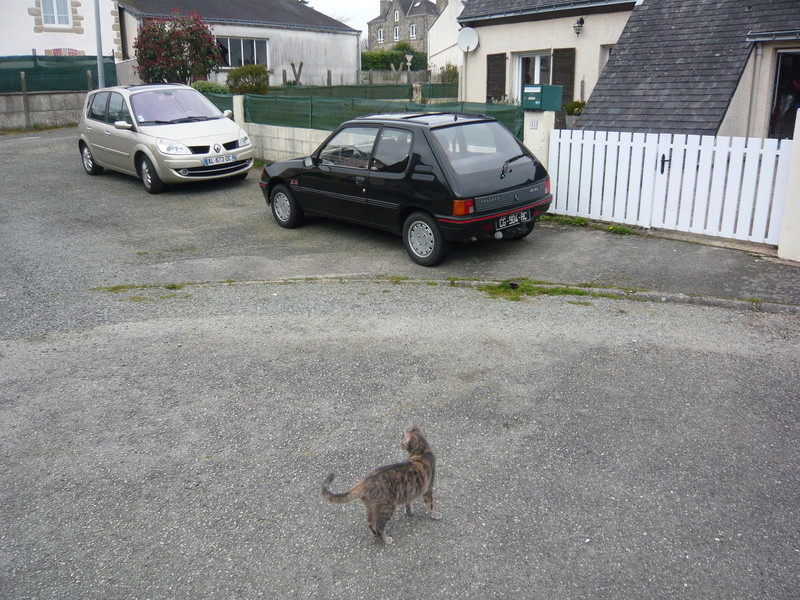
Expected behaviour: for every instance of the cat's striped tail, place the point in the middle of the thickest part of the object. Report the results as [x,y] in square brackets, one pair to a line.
[353,494]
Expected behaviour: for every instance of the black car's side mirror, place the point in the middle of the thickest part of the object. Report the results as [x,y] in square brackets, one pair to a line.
[308,161]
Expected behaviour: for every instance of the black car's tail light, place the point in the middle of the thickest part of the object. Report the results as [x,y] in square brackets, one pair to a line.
[463,207]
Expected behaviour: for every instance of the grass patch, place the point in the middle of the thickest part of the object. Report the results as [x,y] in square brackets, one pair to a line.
[515,290]
[121,288]
[175,286]
[584,222]
[565,220]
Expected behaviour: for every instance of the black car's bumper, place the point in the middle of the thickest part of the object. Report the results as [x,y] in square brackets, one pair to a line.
[508,222]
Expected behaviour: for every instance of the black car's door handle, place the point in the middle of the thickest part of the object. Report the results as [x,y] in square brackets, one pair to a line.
[361,180]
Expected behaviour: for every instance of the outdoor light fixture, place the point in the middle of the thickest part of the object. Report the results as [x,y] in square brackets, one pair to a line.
[578,27]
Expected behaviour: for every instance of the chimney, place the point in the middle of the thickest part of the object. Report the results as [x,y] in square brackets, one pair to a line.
[385,4]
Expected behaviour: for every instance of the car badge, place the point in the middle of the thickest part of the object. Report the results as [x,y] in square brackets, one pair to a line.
[516,197]
[217,148]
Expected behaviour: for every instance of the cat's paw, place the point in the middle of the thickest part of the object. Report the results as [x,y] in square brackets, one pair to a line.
[435,515]
[387,539]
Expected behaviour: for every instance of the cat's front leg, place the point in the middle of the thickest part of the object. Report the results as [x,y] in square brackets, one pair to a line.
[408,510]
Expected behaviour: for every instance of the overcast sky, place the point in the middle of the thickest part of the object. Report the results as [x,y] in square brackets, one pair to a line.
[354,13]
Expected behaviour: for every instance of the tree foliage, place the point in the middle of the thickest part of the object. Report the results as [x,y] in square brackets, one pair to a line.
[178,49]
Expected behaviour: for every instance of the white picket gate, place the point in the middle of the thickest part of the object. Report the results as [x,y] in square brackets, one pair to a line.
[720,186]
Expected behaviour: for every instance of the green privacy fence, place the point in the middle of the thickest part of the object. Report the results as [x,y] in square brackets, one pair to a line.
[390,91]
[221,101]
[53,73]
[440,90]
[328,113]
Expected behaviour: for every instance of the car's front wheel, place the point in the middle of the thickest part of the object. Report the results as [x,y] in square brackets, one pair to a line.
[91,167]
[285,209]
[150,179]
[423,240]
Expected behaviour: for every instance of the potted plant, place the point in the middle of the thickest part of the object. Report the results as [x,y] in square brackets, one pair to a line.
[573,110]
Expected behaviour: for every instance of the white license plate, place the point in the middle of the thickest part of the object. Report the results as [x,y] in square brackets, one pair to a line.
[218,160]
[513,219]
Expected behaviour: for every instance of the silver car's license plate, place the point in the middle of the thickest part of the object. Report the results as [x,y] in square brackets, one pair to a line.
[218,160]
[513,219]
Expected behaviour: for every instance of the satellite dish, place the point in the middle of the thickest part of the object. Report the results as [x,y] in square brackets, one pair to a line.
[468,39]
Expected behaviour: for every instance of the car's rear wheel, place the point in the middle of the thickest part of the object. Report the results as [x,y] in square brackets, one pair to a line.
[91,167]
[423,240]
[285,209]
[150,179]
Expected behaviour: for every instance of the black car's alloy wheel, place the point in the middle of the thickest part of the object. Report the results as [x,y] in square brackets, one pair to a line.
[91,167]
[424,242]
[285,209]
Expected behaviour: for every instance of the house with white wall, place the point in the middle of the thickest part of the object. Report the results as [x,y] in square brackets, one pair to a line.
[280,34]
[443,47]
[559,42]
[58,28]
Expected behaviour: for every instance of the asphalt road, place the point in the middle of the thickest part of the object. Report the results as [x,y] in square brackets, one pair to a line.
[166,438]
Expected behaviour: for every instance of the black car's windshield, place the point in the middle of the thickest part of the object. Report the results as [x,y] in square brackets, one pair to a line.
[158,107]
[479,147]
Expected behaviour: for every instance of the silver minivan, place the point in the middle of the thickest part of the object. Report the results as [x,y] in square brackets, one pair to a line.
[167,133]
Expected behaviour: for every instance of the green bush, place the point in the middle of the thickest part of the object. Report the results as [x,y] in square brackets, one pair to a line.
[575,107]
[381,60]
[210,87]
[448,74]
[249,79]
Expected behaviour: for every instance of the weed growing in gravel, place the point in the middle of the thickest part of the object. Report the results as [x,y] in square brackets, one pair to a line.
[516,289]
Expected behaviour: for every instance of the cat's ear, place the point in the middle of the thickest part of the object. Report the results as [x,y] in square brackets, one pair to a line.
[415,427]
[409,438]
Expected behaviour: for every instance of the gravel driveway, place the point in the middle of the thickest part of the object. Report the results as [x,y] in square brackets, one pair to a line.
[178,374]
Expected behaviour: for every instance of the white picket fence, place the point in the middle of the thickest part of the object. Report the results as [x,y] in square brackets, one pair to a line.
[720,186]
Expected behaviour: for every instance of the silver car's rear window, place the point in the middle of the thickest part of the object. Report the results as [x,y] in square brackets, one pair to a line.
[156,107]
[477,147]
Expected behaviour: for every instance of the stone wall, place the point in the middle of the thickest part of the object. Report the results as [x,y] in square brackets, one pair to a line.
[44,109]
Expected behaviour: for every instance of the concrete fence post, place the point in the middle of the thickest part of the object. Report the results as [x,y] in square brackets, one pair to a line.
[26,108]
[238,109]
[789,241]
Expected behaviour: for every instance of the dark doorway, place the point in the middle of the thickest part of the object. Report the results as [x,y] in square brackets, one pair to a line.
[786,97]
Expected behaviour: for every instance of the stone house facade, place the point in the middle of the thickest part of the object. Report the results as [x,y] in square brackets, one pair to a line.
[403,21]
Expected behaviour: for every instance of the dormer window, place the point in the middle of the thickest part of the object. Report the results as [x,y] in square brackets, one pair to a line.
[396,15]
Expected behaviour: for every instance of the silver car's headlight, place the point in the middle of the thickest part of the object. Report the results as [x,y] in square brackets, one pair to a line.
[244,140]
[171,147]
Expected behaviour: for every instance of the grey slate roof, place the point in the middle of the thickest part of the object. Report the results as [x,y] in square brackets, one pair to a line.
[483,10]
[409,8]
[677,64]
[276,13]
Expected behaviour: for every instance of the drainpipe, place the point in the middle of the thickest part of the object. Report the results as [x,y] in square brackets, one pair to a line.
[753,87]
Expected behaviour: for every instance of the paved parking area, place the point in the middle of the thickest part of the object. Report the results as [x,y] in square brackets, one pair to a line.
[178,374]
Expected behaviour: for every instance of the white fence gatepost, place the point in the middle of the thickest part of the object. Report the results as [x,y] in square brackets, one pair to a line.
[789,242]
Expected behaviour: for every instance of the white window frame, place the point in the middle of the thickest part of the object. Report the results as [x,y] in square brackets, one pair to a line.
[266,62]
[396,16]
[412,31]
[516,89]
[381,39]
[50,9]
[396,34]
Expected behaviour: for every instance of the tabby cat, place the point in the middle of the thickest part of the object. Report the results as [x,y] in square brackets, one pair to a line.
[386,488]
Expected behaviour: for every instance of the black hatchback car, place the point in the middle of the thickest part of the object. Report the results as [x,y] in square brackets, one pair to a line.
[433,178]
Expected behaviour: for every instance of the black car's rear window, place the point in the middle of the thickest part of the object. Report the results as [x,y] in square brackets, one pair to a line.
[475,147]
